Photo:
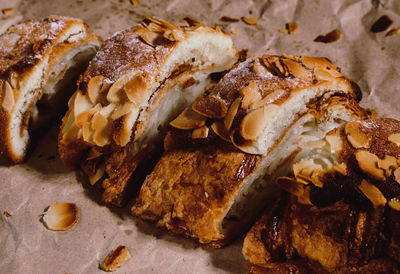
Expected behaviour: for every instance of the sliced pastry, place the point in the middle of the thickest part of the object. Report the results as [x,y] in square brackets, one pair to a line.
[224,153]
[343,213]
[40,61]
[139,80]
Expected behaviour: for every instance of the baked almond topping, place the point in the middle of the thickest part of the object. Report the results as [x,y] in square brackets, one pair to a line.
[259,69]
[232,113]
[93,179]
[94,88]
[116,258]
[335,142]
[274,65]
[368,163]
[60,216]
[341,168]
[316,144]
[135,89]
[269,98]
[219,128]
[395,138]
[8,100]
[188,119]
[387,164]
[200,133]
[297,70]
[254,122]
[210,107]
[149,37]
[8,11]
[251,94]
[394,203]
[299,166]
[372,193]
[357,136]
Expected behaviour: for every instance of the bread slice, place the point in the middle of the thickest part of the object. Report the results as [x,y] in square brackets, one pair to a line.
[211,188]
[139,80]
[40,61]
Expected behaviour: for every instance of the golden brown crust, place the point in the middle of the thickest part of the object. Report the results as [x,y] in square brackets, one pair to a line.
[189,190]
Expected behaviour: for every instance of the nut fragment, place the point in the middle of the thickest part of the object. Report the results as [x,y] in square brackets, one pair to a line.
[250,94]
[188,119]
[8,11]
[135,89]
[394,203]
[393,31]
[200,133]
[335,142]
[211,107]
[232,113]
[292,186]
[368,163]
[387,164]
[275,66]
[269,98]
[357,136]
[116,258]
[219,128]
[94,87]
[395,138]
[255,121]
[397,175]
[372,193]
[290,28]
[329,37]
[228,19]
[250,20]
[7,97]
[60,216]
[297,70]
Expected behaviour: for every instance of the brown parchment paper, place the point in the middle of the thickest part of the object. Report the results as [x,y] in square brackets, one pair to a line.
[26,246]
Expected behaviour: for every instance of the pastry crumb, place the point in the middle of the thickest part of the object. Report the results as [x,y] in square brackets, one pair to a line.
[8,11]
[290,28]
[382,24]
[250,20]
[228,19]
[116,259]
[7,214]
[329,37]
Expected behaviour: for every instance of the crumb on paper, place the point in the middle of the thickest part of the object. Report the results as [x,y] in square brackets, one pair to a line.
[228,19]
[134,2]
[290,28]
[234,31]
[116,258]
[382,24]
[60,216]
[392,32]
[7,11]
[250,20]
[329,37]
[7,214]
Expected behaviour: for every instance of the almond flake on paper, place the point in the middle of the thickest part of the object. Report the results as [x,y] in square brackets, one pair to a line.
[329,37]
[250,20]
[290,28]
[8,11]
[393,32]
[116,259]
[228,19]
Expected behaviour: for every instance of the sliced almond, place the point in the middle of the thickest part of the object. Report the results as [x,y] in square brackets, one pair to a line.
[174,35]
[108,110]
[8,99]
[250,20]
[93,179]
[274,65]
[188,119]
[60,216]
[81,103]
[394,204]
[211,107]
[116,93]
[368,163]
[291,186]
[341,168]
[297,70]
[136,89]
[269,98]
[335,142]
[102,130]
[230,116]
[372,193]
[315,181]
[13,80]
[219,128]
[122,110]
[387,164]
[149,37]
[255,121]
[260,69]
[299,166]
[86,116]
[200,133]
[116,258]
[251,94]
[357,136]
[93,154]
[395,138]
[87,132]
[94,87]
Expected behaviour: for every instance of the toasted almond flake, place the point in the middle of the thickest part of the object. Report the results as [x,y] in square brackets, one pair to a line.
[297,70]
[255,121]
[149,37]
[291,186]
[122,110]
[174,35]
[8,215]
[94,87]
[368,163]
[357,136]
[101,128]
[60,216]
[395,138]
[116,258]
[8,11]
[86,116]
[188,119]
[228,19]
[387,164]
[290,28]
[329,37]
[200,133]
[108,110]
[273,64]
[250,20]
[316,144]
[335,142]
[259,69]
[219,128]
[269,98]
[299,166]
[372,193]
[230,116]
[115,93]
[392,32]
[93,179]
[81,104]
[251,94]
[134,2]
[13,80]
[394,204]
[93,154]
[87,132]
[210,107]
[8,100]
[315,181]
[136,88]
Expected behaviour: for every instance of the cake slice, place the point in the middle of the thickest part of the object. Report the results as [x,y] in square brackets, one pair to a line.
[139,80]
[225,152]
[40,61]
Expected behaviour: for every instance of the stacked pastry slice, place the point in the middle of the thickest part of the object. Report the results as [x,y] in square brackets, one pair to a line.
[343,214]
[40,61]
[138,81]
[225,152]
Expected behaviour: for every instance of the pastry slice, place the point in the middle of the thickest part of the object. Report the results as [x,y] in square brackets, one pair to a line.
[40,61]
[225,152]
[139,80]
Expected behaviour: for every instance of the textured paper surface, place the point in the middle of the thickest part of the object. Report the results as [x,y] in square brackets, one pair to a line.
[372,60]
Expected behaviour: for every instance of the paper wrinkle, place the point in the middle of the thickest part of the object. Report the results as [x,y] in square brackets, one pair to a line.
[370,59]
